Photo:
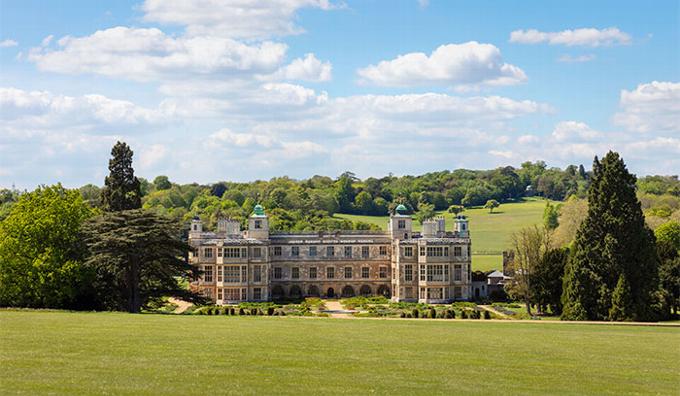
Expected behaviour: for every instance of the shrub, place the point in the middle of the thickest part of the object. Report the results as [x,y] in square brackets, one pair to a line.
[209,311]
[450,314]
[463,315]
[282,313]
[408,315]
[226,311]
[433,313]
[402,314]
[416,313]
[487,315]
[241,311]
[232,311]
[253,311]
[270,311]
[259,312]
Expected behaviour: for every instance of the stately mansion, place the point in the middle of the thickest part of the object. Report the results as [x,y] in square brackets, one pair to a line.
[257,264]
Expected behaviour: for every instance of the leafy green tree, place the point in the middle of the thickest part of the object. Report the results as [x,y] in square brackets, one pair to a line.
[162,183]
[613,241]
[425,211]
[669,276]
[380,206]
[363,203]
[344,193]
[138,258]
[668,249]
[121,188]
[529,245]
[456,209]
[669,233]
[551,215]
[41,253]
[91,195]
[491,205]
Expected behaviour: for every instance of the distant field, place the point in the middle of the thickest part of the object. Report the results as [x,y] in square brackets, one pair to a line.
[490,232]
[87,353]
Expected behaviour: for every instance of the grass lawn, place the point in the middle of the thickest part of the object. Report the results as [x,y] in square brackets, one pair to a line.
[490,232]
[86,353]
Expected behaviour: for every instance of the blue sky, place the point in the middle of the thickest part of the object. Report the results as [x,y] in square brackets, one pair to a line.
[242,90]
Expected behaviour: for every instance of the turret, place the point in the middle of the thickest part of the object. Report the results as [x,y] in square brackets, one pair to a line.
[461,226]
[258,224]
[196,227]
[400,225]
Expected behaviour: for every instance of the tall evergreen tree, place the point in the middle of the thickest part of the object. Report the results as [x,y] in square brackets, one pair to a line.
[612,242]
[121,188]
[137,257]
[622,305]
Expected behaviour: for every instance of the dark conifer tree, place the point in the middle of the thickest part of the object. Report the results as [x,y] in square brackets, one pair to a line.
[622,306]
[121,188]
[613,241]
[137,256]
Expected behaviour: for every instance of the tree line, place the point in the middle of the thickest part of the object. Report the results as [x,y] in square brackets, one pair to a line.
[611,267]
[58,251]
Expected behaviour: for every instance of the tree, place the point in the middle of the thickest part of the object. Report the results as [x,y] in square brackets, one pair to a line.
[529,245]
[121,188]
[344,193]
[612,242]
[456,209]
[41,253]
[162,183]
[491,205]
[669,233]
[571,215]
[137,257]
[622,304]
[546,284]
[425,212]
[550,216]
[363,203]
[668,250]
[91,194]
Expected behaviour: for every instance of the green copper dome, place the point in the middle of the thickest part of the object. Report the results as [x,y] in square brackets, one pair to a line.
[258,210]
[401,209]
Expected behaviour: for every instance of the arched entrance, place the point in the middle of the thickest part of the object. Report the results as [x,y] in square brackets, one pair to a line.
[313,291]
[295,292]
[477,293]
[365,290]
[330,293]
[384,291]
[348,291]
[277,292]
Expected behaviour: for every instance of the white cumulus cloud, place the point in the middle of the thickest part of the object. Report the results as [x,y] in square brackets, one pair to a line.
[651,107]
[589,37]
[245,19]
[467,64]
[146,54]
[8,43]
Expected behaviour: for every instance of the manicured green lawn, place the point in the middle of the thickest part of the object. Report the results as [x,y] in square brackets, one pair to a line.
[86,353]
[490,232]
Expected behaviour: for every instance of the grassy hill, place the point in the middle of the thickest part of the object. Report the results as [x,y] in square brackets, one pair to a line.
[89,353]
[490,232]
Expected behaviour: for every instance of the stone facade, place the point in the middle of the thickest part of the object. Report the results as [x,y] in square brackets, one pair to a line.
[258,265]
